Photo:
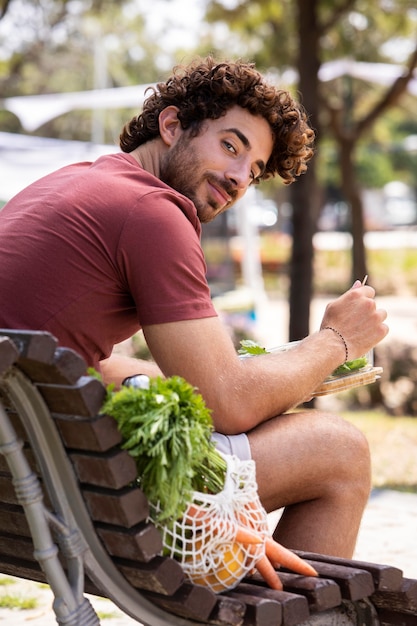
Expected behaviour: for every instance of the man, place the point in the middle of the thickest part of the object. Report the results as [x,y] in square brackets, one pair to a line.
[96,251]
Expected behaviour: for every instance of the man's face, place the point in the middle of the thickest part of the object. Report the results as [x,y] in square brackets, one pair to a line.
[215,168]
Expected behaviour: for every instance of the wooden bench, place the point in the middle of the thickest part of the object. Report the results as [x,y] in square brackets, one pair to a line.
[71,516]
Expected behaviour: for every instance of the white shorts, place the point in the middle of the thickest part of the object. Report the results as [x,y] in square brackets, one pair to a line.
[237,445]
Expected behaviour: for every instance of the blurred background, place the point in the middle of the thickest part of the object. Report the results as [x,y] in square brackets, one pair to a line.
[72,72]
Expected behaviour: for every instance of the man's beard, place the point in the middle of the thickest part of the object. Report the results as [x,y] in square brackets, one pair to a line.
[181,169]
[177,167]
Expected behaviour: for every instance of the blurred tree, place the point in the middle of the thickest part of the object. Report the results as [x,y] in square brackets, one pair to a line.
[303,34]
[61,46]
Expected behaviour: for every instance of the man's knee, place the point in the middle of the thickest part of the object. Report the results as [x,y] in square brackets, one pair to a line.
[356,463]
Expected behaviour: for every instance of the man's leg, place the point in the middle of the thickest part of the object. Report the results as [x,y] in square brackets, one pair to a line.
[317,466]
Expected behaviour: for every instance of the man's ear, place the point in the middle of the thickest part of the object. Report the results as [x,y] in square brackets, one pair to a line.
[169,125]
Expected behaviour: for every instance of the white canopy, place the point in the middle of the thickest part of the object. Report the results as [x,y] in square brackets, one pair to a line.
[24,159]
[33,111]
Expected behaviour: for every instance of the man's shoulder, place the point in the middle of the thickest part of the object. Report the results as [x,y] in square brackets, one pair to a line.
[124,164]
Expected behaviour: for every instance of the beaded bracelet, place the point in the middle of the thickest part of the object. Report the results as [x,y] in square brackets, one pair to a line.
[342,338]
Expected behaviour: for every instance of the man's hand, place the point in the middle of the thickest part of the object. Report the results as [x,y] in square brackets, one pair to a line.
[355,316]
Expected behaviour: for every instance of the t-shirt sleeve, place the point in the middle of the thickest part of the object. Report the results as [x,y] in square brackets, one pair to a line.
[161,259]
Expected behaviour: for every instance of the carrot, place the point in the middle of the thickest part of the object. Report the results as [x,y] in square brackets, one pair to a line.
[245,535]
[251,515]
[195,513]
[266,570]
[280,556]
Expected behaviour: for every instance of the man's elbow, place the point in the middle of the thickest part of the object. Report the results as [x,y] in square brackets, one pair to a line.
[241,417]
[236,420]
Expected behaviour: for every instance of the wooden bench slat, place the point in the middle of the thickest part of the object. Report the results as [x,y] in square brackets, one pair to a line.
[355,584]
[142,543]
[384,576]
[294,607]
[8,353]
[68,367]
[65,368]
[228,611]
[13,519]
[162,575]
[114,471]
[42,359]
[321,593]
[402,601]
[12,545]
[125,507]
[97,434]
[84,399]
[259,611]
[392,618]
[22,569]
[189,601]
[35,345]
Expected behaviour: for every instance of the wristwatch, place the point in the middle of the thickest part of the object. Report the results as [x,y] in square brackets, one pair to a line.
[138,381]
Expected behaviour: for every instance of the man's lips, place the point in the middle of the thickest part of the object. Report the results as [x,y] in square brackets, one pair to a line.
[220,195]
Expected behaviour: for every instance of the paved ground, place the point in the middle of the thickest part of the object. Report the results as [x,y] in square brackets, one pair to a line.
[389,530]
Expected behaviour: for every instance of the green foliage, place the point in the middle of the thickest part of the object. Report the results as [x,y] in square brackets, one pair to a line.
[350,366]
[248,346]
[52,40]
[167,430]
[374,166]
[252,348]
[393,444]
[9,601]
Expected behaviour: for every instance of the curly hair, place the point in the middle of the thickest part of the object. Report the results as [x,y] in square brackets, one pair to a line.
[207,89]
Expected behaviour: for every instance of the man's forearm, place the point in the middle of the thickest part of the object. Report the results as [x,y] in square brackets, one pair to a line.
[118,367]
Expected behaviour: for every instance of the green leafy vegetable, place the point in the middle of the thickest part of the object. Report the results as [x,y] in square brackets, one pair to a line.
[251,347]
[350,366]
[167,430]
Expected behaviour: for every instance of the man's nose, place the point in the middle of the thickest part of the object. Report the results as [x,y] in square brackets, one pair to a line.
[240,177]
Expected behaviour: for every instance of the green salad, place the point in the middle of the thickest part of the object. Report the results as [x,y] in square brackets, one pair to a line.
[251,348]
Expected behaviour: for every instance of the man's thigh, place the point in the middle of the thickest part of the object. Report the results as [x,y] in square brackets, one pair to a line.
[300,455]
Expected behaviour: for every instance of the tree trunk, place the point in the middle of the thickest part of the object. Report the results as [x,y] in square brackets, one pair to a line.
[303,193]
[302,256]
[351,191]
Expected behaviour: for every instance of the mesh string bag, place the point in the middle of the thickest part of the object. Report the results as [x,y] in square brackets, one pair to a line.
[204,539]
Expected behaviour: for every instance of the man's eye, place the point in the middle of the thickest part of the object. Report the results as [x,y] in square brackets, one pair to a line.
[229,146]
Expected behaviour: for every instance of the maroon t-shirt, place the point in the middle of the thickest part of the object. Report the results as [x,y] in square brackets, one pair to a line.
[94,251]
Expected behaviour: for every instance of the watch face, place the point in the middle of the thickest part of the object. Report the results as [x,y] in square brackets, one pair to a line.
[139,381]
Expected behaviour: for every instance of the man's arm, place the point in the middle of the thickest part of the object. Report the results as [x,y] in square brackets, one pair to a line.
[243,393]
[118,367]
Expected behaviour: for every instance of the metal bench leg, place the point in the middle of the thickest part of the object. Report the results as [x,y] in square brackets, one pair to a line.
[71,608]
